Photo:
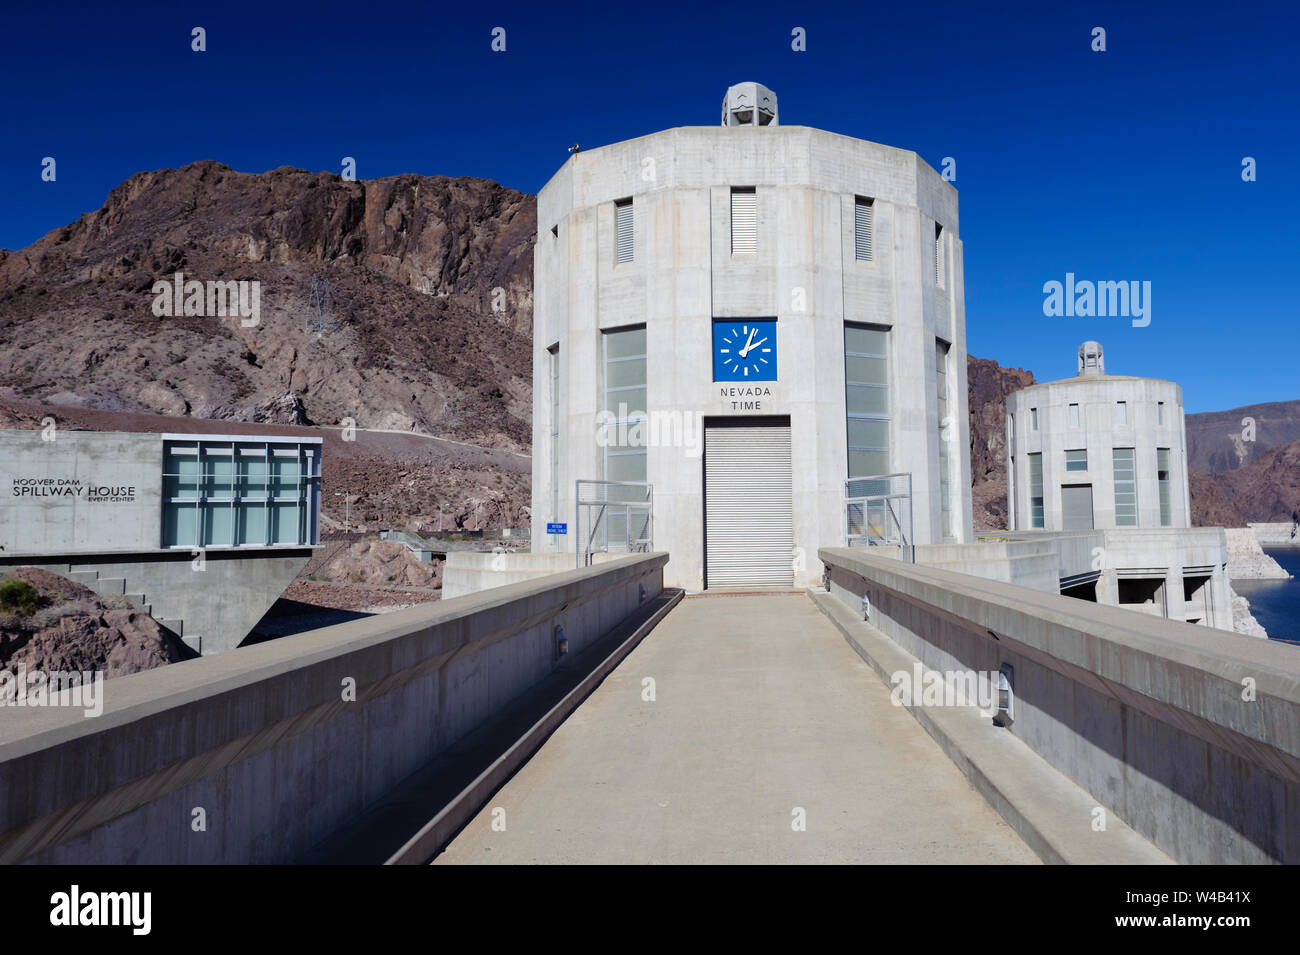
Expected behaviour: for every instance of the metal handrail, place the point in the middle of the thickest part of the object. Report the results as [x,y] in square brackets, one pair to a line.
[890,504]
[596,514]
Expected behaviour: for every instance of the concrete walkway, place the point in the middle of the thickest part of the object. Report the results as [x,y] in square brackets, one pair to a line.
[761,708]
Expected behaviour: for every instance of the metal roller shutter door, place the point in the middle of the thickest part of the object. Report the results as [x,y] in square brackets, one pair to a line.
[748,505]
[1076,507]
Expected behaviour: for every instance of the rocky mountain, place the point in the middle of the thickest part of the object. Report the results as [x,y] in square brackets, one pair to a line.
[1220,441]
[426,327]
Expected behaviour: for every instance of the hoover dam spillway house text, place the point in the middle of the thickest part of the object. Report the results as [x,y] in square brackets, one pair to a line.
[73,487]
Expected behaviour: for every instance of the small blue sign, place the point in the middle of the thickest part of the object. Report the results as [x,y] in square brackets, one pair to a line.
[557,528]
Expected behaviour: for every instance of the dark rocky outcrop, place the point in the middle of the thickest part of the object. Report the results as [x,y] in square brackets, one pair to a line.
[73,629]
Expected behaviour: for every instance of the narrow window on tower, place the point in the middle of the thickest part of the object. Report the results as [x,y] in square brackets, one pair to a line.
[744,221]
[1162,475]
[1074,416]
[1013,512]
[940,266]
[554,355]
[947,433]
[623,231]
[1036,490]
[863,210]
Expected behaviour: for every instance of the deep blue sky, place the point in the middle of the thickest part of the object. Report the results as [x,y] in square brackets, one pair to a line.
[1117,165]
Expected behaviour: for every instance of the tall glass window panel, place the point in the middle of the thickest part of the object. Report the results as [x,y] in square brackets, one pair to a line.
[285,522]
[624,432]
[867,407]
[1036,510]
[1126,514]
[866,401]
[181,524]
[181,473]
[286,490]
[252,487]
[946,432]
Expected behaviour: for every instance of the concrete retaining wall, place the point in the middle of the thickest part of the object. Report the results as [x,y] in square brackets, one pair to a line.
[1145,714]
[1246,558]
[1275,533]
[212,603]
[267,747]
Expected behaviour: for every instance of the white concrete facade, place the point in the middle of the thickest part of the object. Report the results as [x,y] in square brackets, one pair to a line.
[1083,414]
[803,273]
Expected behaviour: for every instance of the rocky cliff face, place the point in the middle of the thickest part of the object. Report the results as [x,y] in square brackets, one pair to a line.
[429,326]
[1267,488]
[988,385]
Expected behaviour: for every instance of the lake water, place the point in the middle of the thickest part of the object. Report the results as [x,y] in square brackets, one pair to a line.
[1276,603]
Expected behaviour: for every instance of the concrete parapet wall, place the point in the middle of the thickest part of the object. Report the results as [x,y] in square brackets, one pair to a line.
[1145,714]
[1032,563]
[468,572]
[268,742]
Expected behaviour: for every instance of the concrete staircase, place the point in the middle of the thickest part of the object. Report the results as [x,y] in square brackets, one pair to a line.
[116,587]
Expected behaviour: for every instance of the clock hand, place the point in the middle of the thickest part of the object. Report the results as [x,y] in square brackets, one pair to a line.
[749,343]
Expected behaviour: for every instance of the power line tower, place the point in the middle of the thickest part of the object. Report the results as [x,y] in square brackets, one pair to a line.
[320,314]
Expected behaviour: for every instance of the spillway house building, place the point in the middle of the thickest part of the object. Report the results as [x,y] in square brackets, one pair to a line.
[781,309]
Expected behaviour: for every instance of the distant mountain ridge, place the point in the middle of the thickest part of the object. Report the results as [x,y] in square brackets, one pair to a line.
[1220,441]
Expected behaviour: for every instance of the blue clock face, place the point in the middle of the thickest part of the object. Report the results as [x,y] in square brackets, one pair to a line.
[744,349]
